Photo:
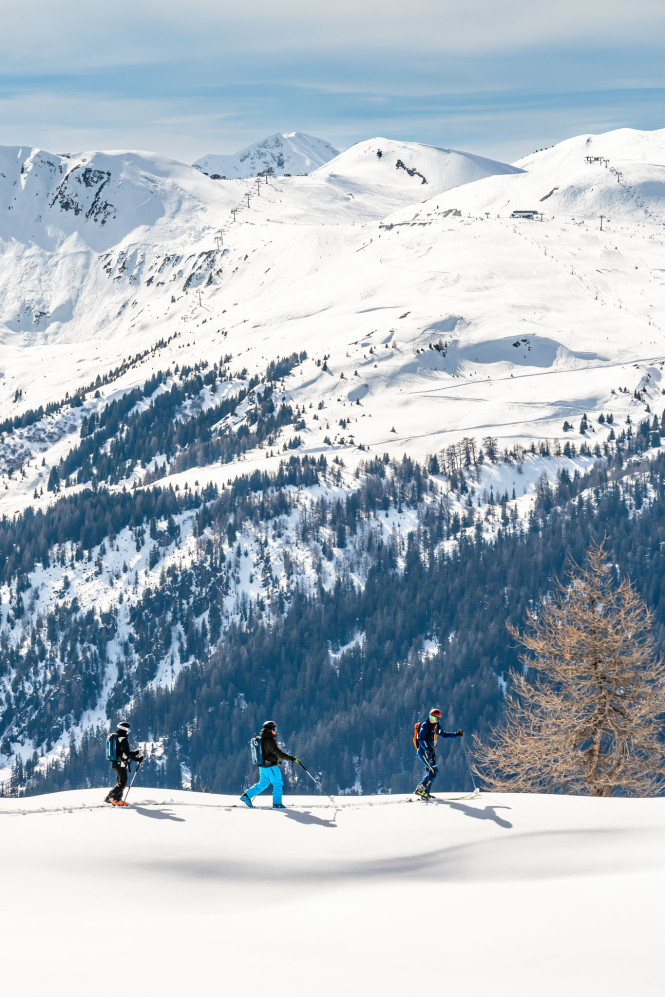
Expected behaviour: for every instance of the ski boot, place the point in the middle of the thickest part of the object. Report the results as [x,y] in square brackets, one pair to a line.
[246,800]
[421,791]
[278,806]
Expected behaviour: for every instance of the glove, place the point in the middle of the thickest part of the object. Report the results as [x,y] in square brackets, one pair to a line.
[460,733]
[139,759]
[295,761]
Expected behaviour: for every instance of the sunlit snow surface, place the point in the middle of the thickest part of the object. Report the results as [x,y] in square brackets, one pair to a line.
[185,893]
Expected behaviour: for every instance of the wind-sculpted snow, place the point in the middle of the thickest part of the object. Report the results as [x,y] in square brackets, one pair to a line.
[517,890]
[526,351]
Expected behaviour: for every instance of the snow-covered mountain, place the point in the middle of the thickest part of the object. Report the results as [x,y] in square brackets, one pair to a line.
[523,890]
[619,174]
[293,154]
[160,329]
[409,165]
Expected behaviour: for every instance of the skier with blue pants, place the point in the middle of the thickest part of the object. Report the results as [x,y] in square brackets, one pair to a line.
[270,771]
[429,732]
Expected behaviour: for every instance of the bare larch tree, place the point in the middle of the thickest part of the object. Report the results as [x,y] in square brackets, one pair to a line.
[586,713]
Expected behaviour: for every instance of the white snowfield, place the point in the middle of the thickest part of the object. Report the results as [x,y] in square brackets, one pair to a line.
[502,895]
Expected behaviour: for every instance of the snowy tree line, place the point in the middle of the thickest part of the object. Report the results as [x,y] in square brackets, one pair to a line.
[429,625]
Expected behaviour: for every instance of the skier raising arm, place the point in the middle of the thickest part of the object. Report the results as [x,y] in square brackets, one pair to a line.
[429,732]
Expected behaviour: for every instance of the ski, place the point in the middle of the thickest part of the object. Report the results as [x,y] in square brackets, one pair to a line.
[449,799]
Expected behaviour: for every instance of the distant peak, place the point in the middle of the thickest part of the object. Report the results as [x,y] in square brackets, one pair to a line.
[290,153]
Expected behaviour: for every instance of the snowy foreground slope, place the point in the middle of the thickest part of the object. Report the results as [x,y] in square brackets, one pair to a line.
[503,895]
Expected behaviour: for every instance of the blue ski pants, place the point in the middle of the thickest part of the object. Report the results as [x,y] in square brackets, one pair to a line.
[270,774]
[428,758]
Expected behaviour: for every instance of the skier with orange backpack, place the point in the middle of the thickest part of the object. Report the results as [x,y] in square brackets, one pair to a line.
[425,735]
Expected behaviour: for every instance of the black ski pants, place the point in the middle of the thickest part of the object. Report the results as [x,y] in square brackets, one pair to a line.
[121,781]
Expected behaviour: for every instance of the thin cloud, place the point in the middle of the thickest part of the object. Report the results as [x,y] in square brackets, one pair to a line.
[83,35]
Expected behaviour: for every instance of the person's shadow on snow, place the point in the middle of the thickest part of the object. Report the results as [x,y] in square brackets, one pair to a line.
[159,814]
[307,817]
[487,813]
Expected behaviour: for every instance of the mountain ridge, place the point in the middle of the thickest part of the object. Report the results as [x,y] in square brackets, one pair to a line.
[244,394]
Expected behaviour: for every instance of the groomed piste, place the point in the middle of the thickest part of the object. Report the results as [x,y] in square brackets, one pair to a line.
[186,893]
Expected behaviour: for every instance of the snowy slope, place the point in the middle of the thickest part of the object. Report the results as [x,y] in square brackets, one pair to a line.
[536,323]
[293,154]
[100,198]
[409,165]
[619,174]
[508,894]
[76,230]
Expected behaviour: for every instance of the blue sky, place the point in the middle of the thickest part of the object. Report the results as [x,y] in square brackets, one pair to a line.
[185,79]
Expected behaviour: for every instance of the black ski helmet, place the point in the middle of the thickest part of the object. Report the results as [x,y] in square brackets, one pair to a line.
[123,727]
[270,724]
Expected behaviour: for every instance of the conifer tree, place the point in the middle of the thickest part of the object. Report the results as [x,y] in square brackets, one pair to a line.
[586,714]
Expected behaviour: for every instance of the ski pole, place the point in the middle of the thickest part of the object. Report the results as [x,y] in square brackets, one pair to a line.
[468,762]
[138,766]
[317,782]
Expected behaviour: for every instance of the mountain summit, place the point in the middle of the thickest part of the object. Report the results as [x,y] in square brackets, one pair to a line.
[616,174]
[409,167]
[294,154]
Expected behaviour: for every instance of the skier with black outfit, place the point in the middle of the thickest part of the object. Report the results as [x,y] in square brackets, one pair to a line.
[429,732]
[124,756]
[270,771]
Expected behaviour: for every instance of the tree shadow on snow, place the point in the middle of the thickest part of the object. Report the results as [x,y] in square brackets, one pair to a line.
[487,812]
[158,814]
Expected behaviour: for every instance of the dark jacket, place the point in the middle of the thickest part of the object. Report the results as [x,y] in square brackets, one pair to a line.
[427,732]
[271,750]
[124,753]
